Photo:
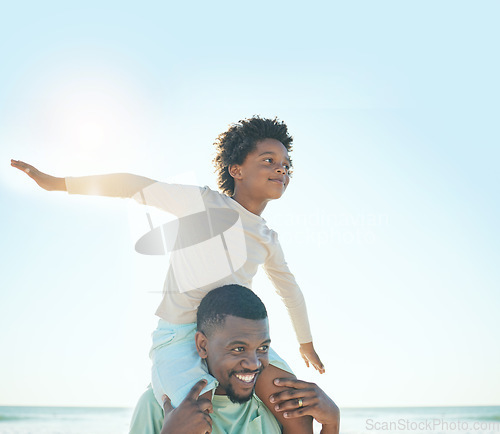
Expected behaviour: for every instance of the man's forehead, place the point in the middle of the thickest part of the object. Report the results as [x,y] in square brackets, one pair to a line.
[241,329]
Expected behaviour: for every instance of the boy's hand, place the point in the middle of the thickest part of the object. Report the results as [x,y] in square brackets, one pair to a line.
[309,355]
[47,182]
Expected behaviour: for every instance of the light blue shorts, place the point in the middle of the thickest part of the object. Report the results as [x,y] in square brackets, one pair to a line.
[177,367]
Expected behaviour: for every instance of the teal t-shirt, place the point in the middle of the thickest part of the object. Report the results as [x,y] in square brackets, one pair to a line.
[251,417]
[228,418]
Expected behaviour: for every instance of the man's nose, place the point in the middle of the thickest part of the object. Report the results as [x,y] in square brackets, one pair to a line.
[251,362]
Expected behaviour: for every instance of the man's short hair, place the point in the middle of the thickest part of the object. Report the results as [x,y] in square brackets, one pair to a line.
[235,300]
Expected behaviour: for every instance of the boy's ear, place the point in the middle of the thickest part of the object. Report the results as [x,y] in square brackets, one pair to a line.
[201,342]
[235,171]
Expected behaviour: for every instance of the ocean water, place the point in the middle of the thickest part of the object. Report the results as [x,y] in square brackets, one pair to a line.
[435,420]
[432,420]
[64,420]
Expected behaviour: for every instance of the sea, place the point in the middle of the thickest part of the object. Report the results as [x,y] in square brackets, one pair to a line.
[84,420]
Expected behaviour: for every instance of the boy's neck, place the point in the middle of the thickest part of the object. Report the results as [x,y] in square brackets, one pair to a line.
[255,206]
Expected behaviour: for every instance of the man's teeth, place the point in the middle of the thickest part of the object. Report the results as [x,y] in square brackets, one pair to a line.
[245,378]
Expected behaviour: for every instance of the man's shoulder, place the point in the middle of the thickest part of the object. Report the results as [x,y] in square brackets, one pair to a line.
[148,415]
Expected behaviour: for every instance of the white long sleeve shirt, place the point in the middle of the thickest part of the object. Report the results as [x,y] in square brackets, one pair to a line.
[213,242]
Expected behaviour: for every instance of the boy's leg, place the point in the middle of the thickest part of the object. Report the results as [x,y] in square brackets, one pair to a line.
[265,387]
[176,365]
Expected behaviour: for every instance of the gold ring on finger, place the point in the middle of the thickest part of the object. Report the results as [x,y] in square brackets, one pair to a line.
[301,403]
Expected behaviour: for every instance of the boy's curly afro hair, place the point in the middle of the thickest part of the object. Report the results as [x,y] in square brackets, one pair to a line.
[239,140]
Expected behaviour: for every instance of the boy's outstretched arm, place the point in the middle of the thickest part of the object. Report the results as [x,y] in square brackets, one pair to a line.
[47,182]
[124,185]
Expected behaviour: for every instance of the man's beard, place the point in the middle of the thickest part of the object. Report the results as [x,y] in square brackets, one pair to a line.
[230,393]
[235,399]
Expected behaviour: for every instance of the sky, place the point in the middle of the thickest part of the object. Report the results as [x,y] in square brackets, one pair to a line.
[389,222]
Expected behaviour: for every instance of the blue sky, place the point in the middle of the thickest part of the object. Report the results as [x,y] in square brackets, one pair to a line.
[389,223]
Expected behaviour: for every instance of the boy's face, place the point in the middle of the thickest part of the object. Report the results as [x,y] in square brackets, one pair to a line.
[264,173]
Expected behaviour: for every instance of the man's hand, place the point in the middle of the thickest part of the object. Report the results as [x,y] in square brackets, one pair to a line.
[307,399]
[47,182]
[309,355]
[191,416]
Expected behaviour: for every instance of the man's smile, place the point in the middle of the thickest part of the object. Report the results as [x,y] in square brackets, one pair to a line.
[247,378]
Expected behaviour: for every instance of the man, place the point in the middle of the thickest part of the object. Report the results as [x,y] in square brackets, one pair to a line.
[233,339]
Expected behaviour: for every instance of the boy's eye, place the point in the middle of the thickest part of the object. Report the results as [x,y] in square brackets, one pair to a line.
[270,160]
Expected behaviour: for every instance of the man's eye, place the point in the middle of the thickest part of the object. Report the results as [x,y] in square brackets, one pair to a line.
[264,348]
[238,349]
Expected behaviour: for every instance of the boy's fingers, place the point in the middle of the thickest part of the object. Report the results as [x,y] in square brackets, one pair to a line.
[316,358]
[320,369]
[319,363]
[22,166]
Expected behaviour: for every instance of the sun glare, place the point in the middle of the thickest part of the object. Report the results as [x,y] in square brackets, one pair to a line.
[96,118]
[82,119]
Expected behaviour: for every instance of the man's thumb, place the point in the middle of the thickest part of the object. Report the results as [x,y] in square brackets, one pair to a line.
[167,404]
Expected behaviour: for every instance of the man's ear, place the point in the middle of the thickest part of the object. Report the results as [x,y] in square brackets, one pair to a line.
[235,171]
[201,342]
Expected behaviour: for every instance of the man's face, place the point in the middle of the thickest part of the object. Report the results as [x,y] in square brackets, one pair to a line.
[236,354]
